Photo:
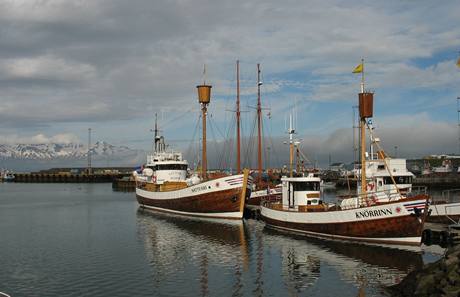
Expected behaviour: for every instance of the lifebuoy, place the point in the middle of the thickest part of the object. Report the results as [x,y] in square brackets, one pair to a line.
[370,187]
[154,178]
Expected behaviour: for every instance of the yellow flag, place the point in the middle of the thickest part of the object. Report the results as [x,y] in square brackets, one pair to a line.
[458,62]
[358,68]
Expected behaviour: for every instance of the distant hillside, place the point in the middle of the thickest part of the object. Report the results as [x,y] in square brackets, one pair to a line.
[43,156]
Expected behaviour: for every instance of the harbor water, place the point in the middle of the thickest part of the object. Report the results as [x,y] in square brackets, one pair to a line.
[85,240]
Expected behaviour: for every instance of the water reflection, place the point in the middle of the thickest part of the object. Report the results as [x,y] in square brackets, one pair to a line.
[359,264]
[207,258]
[188,255]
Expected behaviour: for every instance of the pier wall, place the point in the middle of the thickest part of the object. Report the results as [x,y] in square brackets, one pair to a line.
[65,178]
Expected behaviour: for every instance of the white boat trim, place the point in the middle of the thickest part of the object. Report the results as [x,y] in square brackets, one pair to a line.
[226,215]
[406,240]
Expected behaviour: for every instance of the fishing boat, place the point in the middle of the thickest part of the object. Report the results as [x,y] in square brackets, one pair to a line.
[165,184]
[397,220]
[389,176]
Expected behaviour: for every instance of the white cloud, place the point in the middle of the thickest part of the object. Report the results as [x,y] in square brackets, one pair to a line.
[63,138]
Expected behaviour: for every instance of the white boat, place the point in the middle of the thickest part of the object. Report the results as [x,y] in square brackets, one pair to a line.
[445,209]
[6,176]
[393,219]
[446,167]
[387,177]
[327,185]
[165,185]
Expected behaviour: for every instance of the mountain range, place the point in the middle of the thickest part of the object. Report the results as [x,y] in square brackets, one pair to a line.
[46,155]
[49,151]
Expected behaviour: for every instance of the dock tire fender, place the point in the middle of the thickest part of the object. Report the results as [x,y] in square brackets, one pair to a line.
[444,237]
[427,236]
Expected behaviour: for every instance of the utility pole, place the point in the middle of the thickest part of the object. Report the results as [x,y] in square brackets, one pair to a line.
[89,152]
[458,122]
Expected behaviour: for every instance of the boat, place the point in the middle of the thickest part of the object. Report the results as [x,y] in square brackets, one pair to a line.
[164,183]
[6,176]
[445,168]
[426,168]
[387,176]
[397,220]
[446,208]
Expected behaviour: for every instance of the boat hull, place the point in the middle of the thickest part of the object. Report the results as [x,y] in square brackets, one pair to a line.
[390,223]
[219,198]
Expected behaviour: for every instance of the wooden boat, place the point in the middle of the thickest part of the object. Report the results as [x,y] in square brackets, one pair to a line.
[164,184]
[397,220]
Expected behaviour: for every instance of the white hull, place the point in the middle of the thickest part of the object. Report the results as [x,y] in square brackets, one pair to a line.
[223,215]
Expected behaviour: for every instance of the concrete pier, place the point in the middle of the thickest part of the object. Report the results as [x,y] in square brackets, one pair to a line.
[64,178]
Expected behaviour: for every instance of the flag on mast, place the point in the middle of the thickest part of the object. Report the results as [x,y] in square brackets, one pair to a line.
[458,62]
[358,69]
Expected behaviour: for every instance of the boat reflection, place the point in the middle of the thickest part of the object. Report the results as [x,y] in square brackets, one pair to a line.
[191,255]
[204,257]
[364,266]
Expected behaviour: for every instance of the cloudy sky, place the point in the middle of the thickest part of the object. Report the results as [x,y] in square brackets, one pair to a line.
[111,65]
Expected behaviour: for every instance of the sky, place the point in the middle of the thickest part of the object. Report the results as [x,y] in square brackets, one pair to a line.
[69,65]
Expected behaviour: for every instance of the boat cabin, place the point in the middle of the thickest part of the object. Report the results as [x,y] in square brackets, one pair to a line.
[301,193]
[167,167]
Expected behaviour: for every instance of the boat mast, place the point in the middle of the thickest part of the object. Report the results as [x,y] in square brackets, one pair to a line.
[204,97]
[259,127]
[156,135]
[365,111]
[238,114]
[291,146]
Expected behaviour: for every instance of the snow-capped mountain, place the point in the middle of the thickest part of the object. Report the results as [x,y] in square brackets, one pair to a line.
[50,151]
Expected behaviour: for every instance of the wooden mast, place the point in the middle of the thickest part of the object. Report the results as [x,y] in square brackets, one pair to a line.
[259,128]
[238,114]
[366,100]
[204,165]
[363,138]
[204,97]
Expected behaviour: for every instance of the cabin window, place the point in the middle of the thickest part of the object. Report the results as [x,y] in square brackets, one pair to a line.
[398,179]
[306,186]
[381,167]
[170,167]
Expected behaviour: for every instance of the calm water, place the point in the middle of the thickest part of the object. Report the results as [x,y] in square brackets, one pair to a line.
[85,240]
